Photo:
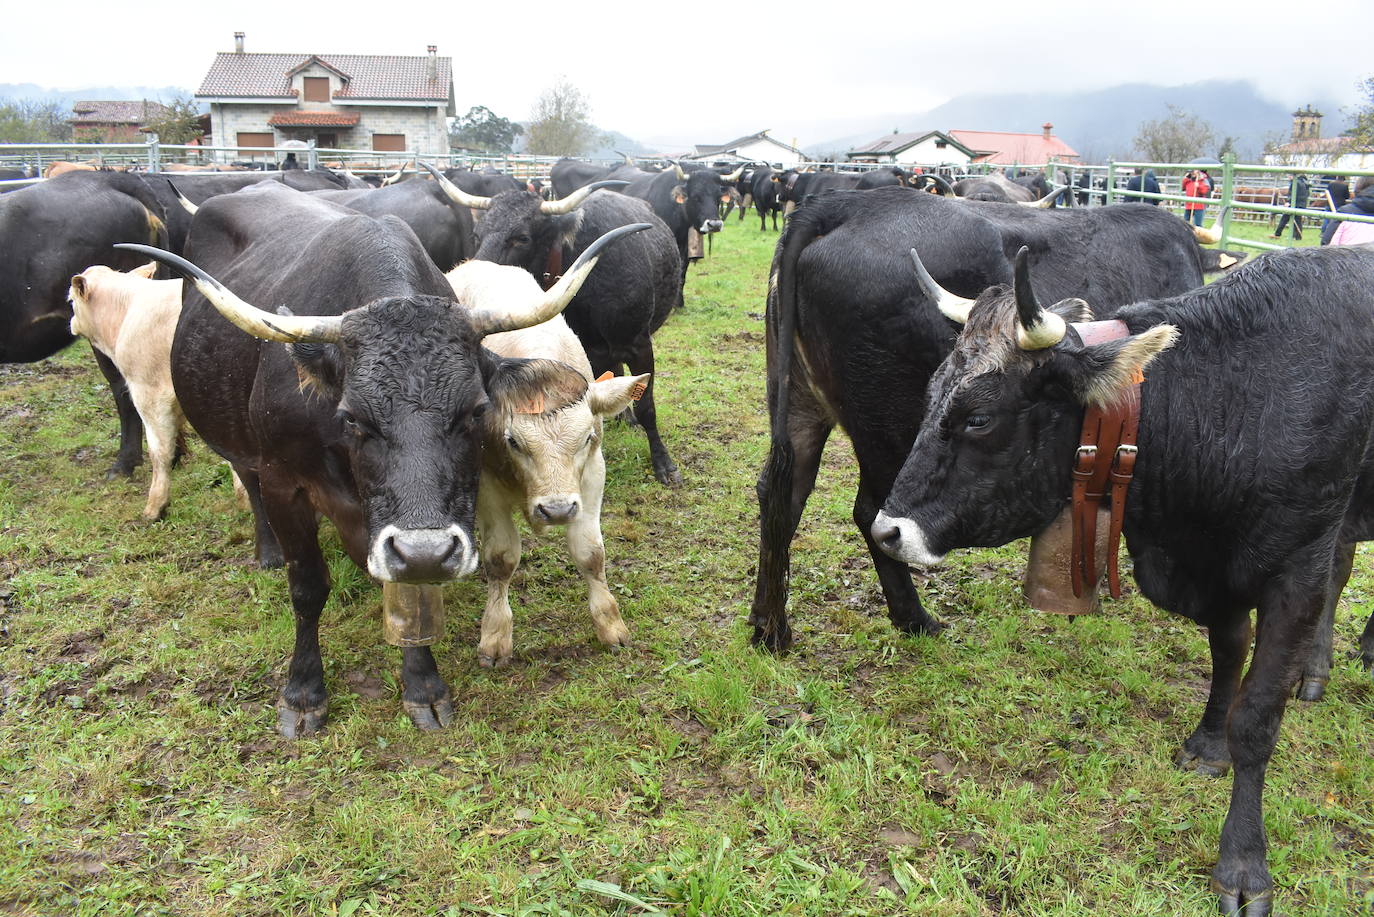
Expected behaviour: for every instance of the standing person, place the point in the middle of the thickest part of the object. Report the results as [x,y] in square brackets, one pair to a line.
[1195,185]
[1337,194]
[1340,232]
[1147,183]
[1297,199]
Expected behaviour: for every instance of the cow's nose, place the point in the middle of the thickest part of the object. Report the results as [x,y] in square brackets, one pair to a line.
[422,555]
[556,512]
[711,226]
[887,534]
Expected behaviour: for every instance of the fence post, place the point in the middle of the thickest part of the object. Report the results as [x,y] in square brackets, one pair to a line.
[1228,179]
[1111,181]
[312,159]
[154,151]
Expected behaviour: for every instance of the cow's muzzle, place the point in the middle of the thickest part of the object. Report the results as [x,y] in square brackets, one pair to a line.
[554,511]
[421,555]
[903,540]
[711,226]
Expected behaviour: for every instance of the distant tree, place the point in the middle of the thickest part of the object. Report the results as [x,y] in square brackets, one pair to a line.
[1361,132]
[1177,137]
[562,123]
[483,129]
[1228,145]
[179,122]
[27,121]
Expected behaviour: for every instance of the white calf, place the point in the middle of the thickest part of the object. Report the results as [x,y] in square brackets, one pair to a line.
[541,455]
[131,318]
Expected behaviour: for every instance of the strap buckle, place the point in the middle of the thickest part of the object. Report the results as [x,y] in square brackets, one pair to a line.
[1084,461]
[1123,464]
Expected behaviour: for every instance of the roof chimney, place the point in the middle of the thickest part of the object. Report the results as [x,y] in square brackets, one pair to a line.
[1046,128]
[433,67]
[238,42]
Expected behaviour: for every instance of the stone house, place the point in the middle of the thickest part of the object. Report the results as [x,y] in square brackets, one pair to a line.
[341,101]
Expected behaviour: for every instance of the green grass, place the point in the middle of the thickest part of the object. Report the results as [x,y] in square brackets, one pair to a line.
[1018,764]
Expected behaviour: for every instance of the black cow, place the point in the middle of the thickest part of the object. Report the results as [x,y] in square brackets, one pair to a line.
[869,341]
[369,417]
[487,183]
[883,177]
[687,201]
[995,188]
[618,310]
[51,231]
[766,190]
[1253,482]
[443,227]
[567,175]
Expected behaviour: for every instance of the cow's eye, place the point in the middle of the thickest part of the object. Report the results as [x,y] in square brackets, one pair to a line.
[976,421]
[352,426]
[520,239]
[512,442]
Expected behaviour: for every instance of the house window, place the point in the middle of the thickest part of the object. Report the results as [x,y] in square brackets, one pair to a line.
[247,138]
[389,143]
[317,89]
[327,141]
[940,144]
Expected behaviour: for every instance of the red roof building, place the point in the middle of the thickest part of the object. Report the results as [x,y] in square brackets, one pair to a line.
[341,101]
[113,122]
[1007,149]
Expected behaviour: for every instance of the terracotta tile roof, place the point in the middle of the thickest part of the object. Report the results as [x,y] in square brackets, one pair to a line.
[117,112]
[313,119]
[1006,148]
[1321,145]
[369,76]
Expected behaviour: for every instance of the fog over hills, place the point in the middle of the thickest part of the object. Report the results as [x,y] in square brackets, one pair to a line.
[33,93]
[1103,123]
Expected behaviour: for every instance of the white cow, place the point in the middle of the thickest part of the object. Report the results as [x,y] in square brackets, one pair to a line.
[130,318]
[541,455]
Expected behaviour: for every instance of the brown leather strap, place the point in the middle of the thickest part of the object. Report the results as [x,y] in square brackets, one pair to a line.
[553,268]
[1103,467]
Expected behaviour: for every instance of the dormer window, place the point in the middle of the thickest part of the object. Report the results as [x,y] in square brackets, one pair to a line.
[316,89]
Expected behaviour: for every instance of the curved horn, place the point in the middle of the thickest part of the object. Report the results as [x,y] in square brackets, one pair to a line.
[396,176]
[1046,202]
[1036,327]
[185,204]
[574,200]
[945,187]
[681,172]
[626,157]
[735,175]
[491,321]
[1213,235]
[954,307]
[289,329]
[457,194]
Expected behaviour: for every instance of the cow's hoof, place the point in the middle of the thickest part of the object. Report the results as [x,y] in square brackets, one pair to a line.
[428,717]
[616,635]
[1193,763]
[774,640]
[1234,903]
[270,557]
[297,724]
[930,627]
[120,469]
[668,475]
[1311,689]
[493,662]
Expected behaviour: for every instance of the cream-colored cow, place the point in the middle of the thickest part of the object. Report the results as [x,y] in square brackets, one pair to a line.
[541,455]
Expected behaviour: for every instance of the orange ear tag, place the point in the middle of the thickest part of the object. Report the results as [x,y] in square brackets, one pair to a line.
[637,392]
[1138,377]
[533,406]
[604,376]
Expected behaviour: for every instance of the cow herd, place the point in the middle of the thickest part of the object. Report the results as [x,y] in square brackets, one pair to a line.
[423,362]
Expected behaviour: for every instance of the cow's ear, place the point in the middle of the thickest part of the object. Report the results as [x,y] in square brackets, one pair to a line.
[519,386]
[79,285]
[1072,310]
[319,368]
[567,225]
[148,270]
[613,395]
[1100,374]
[679,194]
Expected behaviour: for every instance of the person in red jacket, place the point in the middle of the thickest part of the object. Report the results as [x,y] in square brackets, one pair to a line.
[1195,184]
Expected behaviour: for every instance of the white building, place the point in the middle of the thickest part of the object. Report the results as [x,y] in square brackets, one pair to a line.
[1308,149]
[913,148]
[341,101]
[754,148]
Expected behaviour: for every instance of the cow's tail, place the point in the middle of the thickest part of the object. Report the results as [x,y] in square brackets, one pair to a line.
[775,484]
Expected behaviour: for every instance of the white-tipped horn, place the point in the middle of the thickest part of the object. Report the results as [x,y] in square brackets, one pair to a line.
[181,199]
[457,194]
[397,176]
[1213,235]
[289,329]
[1036,326]
[1046,202]
[951,306]
[488,320]
[574,200]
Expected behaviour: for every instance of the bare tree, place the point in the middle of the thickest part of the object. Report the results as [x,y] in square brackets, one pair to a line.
[27,121]
[1361,132]
[562,123]
[1177,137]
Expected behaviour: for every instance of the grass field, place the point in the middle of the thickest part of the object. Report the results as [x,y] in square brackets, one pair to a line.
[1018,764]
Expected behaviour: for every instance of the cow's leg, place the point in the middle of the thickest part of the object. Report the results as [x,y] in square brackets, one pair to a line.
[904,607]
[500,556]
[163,423]
[1317,671]
[1367,644]
[1205,751]
[641,360]
[589,553]
[304,703]
[1286,618]
[266,549]
[787,479]
[424,694]
[130,426]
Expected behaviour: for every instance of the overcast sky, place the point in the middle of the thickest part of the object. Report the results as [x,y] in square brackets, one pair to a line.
[689,73]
